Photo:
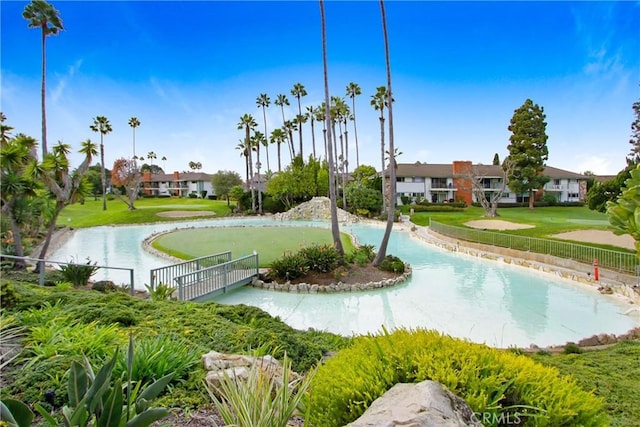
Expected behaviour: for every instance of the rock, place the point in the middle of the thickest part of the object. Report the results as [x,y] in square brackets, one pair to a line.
[221,366]
[318,208]
[423,404]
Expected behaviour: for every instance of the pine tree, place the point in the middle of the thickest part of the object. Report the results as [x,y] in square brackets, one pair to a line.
[528,149]
[634,155]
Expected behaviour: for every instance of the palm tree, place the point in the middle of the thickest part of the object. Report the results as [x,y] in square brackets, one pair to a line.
[278,137]
[263,102]
[382,250]
[299,91]
[335,228]
[379,101]
[244,151]
[41,14]
[151,156]
[289,127]
[354,90]
[248,123]
[281,101]
[320,117]
[310,114]
[134,123]
[101,124]
[256,142]
[164,163]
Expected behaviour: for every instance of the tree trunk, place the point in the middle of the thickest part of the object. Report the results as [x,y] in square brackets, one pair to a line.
[43,94]
[104,175]
[384,199]
[531,199]
[279,164]
[17,242]
[50,230]
[382,251]
[335,228]
[313,140]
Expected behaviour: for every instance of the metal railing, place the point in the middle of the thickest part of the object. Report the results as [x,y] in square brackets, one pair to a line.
[218,278]
[43,262]
[624,262]
[167,274]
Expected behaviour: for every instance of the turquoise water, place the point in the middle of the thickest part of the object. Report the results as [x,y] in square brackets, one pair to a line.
[480,300]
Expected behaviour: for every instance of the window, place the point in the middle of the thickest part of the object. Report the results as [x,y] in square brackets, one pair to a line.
[574,195]
[399,178]
[418,179]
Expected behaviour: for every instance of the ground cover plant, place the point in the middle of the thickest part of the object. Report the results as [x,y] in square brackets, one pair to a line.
[492,381]
[170,336]
[613,374]
[90,213]
[269,242]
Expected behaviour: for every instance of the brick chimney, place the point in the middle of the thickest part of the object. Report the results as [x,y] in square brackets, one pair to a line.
[462,173]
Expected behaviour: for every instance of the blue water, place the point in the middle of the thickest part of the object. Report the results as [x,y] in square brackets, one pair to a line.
[480,300]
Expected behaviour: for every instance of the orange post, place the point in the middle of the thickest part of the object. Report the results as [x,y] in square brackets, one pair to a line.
[595,270]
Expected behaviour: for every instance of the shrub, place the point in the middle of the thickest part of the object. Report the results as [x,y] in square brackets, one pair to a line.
[8,295]
[490,380]
[78,274]
[105,286]
[161,292]
[289,266]
[362,255]
[157,356]
[392,263]
[321,258]
[259,400]
[572,348]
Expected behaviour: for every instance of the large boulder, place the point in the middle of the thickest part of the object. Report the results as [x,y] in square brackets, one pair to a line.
[427,404]
[318,208]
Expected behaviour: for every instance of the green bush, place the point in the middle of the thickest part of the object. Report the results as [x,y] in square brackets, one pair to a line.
[8,295]
[437,207]
[572,348]
[392,263]
[105,286]
[289,266]
[490,380]
[157,356]
[78,274]
[321,258]
[361,255]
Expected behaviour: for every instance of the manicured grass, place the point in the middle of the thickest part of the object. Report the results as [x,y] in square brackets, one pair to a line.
[613,374]
[90,214]
[269,242]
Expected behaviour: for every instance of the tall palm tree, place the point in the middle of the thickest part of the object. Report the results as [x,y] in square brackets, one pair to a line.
[299,91]
[289,127]
[382,250]
[281,101]
[101,125]
[263,102]
[248,123]
[134,123]
[278,137]
[320,117]
[244,151]
[379,101]
[310,114]
[41,14]
[335,228]
[256,142]
[354,90]
[151,156]
[164,164]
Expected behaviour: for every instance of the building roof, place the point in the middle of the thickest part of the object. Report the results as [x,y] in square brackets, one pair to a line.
[440,170]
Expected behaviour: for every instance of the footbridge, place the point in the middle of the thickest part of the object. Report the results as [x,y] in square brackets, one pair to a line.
[201,278]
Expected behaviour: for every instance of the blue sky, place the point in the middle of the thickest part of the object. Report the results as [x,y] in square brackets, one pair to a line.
[189,70]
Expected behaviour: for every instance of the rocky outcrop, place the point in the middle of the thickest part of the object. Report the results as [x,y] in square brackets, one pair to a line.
[318,208]
[423,404]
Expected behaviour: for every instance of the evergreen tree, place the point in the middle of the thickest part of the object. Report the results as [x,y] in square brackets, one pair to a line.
[634,155]
[496,160]
[528,149]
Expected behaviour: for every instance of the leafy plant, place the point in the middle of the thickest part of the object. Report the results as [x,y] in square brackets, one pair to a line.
[392,263]
[258,400]
[161,292]
[491,381]
[289,266]
[79,274]
[8,296]
[321,258]
[157,356]
[10,334]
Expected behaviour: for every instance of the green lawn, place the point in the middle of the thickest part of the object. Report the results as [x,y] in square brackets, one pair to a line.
[269,242]
[90,214]
[547,220]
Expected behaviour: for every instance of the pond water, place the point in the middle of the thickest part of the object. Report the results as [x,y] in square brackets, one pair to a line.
[481,300]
